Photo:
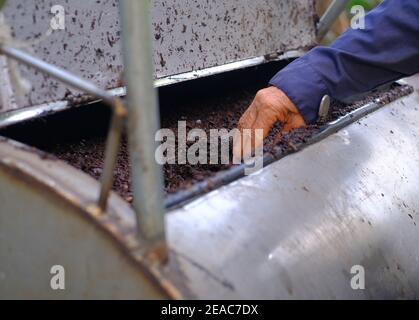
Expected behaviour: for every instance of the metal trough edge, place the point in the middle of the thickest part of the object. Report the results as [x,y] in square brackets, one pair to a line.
[225,177]
[20,115]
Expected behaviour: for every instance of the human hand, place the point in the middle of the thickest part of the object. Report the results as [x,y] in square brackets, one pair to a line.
[270,106]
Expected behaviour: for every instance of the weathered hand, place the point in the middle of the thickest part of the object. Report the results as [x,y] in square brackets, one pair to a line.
[270,106]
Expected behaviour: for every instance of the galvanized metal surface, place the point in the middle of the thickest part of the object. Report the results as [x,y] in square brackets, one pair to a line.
[194,34]
[48,217]
[296,229]
[188,35]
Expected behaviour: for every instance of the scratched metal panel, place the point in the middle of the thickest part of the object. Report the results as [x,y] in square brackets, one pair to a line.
[189,35]
[89,46]
[196,34]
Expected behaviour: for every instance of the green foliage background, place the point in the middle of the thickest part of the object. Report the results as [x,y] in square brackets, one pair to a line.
[367,4]
[2,3]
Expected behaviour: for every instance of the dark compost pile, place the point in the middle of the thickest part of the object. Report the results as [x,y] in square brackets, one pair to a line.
[78,136]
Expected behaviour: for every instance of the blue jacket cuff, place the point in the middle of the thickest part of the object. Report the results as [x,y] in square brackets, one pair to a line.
[303,86]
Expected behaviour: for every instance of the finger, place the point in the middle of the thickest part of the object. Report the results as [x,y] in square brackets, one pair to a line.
[265,120]
[246,121]
[248,118]
[294,122]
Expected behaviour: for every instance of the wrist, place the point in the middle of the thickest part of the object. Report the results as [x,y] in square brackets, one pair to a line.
[277,99]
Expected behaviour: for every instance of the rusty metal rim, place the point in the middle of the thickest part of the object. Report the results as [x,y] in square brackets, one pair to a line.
[225,177]
[123,239]
[13,117]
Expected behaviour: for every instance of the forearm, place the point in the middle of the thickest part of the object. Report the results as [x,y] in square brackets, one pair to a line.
[360,60]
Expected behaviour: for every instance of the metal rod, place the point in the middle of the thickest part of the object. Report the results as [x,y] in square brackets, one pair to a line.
[111,156]
[143,120]
[119,112]
[7,96]
[329,17]
[57,73]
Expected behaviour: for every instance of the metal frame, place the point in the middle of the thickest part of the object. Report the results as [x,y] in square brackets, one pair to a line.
[115,103]
[329,17]
[143,121]
[20,115]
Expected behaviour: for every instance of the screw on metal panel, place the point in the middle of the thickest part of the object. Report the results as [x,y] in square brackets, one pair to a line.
[324,107]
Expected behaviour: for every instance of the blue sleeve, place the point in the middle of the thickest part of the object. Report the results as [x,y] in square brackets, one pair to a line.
[358,61]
